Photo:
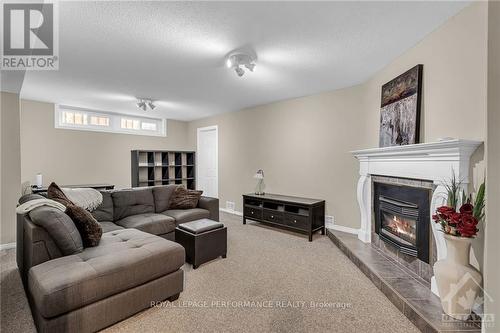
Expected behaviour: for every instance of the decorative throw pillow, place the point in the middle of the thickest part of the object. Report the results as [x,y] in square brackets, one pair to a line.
[87,225]
[183,198]
[90,230]
[55,193]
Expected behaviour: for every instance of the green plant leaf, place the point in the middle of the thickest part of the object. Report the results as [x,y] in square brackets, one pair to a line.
[479,203]
[453,189]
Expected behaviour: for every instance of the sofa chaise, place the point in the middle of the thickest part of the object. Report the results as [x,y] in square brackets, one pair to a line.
[136,262]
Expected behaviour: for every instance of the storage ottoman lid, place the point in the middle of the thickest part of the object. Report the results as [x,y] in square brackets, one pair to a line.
[200,226]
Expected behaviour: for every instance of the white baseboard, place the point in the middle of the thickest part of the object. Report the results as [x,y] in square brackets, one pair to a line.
[234,212]
[328,225]
[7,246]
[341,228]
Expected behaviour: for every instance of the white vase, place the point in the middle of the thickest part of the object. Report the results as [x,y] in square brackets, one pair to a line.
[458,282]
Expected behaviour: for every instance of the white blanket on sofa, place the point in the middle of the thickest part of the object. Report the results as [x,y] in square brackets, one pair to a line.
[32,204]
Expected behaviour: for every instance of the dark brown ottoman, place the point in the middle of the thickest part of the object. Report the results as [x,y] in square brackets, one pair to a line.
[203,240]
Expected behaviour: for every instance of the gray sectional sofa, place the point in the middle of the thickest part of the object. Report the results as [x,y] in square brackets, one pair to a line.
[135,263]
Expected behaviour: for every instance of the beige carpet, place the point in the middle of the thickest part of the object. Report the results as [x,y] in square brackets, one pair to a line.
[271,281]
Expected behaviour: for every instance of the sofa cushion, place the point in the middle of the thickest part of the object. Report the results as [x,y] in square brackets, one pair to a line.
[105,211]
[187,215]
[123,260]
[60,227]
[162,195]
[108,226]
[156,224]
[132,202]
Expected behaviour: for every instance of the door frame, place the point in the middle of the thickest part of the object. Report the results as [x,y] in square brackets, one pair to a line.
[198,131]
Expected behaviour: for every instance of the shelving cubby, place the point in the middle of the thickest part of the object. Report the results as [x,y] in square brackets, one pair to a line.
[161,167]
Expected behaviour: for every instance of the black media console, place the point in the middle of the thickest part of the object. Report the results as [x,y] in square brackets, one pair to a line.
[299,214]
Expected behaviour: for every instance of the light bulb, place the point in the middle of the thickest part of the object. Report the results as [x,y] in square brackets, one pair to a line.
[239,71]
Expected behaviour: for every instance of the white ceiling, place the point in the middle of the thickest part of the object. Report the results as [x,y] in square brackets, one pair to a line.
[173,52]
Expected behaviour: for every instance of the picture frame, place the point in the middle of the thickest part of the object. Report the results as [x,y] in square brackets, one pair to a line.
[401,101]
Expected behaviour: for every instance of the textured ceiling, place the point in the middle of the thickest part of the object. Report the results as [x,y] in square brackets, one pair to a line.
[173,52]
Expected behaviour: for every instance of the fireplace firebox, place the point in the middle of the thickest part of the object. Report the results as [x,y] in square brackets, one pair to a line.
[402,218]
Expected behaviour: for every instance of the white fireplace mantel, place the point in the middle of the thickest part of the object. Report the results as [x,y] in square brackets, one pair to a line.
[434,161]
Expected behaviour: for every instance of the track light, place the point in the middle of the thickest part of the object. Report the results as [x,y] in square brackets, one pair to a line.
[143,104]
[236,61]
[250,67]
[239,71]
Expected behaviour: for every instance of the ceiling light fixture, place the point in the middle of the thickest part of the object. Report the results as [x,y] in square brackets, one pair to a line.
[144,103]
[238,60]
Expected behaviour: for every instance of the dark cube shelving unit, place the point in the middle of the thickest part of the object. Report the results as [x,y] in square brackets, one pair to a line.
[163,167]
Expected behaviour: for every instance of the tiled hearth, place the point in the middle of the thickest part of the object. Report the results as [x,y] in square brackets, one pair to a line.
[406,290]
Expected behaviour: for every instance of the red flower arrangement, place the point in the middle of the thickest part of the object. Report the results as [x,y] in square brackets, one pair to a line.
[461,223]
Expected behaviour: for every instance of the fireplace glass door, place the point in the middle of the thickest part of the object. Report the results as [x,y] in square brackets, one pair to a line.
[402,218]
[403,229]
[399,223]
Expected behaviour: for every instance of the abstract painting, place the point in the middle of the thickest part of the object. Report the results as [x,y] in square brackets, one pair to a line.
[400,109]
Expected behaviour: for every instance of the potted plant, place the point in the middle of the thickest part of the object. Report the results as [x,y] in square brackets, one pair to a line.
[457,280]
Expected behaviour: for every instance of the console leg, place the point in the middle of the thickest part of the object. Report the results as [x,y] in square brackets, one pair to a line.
[195,266]
[224,256]
[244,221]
[323,230]
[174,297]
[310,237]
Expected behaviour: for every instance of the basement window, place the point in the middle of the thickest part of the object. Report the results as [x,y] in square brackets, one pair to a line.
[147,126]
[130,124]
[67,117]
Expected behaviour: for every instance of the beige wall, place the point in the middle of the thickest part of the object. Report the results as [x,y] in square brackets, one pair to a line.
[492,267]
[454,79]
[11,165]
[76,157]
[303,144]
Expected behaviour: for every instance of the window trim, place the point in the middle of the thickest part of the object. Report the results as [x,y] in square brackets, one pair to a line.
[114,122]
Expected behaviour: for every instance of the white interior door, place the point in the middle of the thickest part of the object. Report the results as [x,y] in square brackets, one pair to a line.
[207,173]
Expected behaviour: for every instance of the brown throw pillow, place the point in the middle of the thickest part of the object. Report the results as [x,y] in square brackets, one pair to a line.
[183,198]
[54,192]
[88,227]
[90,230]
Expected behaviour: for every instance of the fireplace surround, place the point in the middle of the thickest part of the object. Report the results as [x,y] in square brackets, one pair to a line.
[432,163]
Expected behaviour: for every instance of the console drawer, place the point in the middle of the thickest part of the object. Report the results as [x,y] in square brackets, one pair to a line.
[272,216]
[297,221]
[252,212]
